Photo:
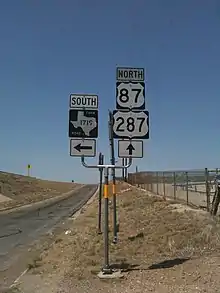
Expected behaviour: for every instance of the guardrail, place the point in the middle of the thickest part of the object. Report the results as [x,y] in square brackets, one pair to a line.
[195,187]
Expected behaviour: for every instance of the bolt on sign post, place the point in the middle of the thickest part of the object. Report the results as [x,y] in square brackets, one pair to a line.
[28,169]
[101,162]
[106,268]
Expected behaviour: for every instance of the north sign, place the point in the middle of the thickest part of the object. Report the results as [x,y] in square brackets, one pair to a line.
[83,123]
[131,124]
[82,147]
[129,74]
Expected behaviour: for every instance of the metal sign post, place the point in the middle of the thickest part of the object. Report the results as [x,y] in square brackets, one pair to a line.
[101,162]
[112,150]
[106,268]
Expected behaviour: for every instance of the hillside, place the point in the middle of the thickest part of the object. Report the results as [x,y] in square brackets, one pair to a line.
[21,189]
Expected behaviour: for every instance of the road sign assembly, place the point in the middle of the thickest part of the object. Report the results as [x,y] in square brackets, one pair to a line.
[130,148]
[82,147]
[83,124]
[131,120]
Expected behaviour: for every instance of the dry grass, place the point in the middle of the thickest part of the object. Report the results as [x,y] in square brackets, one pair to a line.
[25,190]
[151,231]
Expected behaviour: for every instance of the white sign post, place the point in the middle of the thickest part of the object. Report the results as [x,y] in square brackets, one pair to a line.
[83,124]
[131,120]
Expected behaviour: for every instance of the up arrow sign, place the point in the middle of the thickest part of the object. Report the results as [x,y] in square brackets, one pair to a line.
[130,149]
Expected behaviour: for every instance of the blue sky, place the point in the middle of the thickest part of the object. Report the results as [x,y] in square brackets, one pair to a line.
[51,48]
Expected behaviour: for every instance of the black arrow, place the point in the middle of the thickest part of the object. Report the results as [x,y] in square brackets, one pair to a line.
[130,149]
[78,147]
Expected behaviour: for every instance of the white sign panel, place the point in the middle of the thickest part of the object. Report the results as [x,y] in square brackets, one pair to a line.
[130,95]
[131,124]
[80,147]
[83,101]
[130,74]
[130,149]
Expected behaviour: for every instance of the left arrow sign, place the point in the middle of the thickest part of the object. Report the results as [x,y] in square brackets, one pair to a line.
[82,147]
[78,147]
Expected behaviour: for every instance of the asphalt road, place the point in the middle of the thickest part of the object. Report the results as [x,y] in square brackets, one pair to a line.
[21,228]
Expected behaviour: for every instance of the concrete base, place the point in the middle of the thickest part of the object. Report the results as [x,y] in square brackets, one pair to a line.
[113,275]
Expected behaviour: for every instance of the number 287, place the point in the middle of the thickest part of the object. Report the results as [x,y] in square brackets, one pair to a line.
[129,124]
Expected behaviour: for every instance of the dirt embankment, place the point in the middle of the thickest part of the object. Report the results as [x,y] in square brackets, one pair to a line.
[165,247]
[19,190]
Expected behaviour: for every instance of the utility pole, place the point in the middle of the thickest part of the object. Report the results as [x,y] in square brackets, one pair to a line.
[112,150]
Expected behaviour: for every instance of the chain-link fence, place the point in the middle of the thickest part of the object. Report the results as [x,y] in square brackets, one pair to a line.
[195,187]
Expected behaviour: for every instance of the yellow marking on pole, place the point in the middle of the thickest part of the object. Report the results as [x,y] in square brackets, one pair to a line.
[106,191]
[114,189]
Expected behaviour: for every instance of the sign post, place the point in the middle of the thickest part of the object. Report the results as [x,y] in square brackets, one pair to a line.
[83,129]
[106,268]
[101,162]
[112,150]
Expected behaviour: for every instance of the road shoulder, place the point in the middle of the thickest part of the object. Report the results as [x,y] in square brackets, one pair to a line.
[163,246]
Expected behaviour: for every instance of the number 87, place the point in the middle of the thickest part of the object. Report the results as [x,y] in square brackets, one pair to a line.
[124,95]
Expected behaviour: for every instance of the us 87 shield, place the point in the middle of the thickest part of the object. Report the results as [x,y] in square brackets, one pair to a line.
[131,124]
[130,95]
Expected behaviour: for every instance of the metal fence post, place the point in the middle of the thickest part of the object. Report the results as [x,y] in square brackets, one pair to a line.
[174,185]
[164,190]
[207,190]
[157,183]
[151,182]
[187,188]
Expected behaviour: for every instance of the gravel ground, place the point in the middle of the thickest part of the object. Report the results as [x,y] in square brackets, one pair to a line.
[164,247]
